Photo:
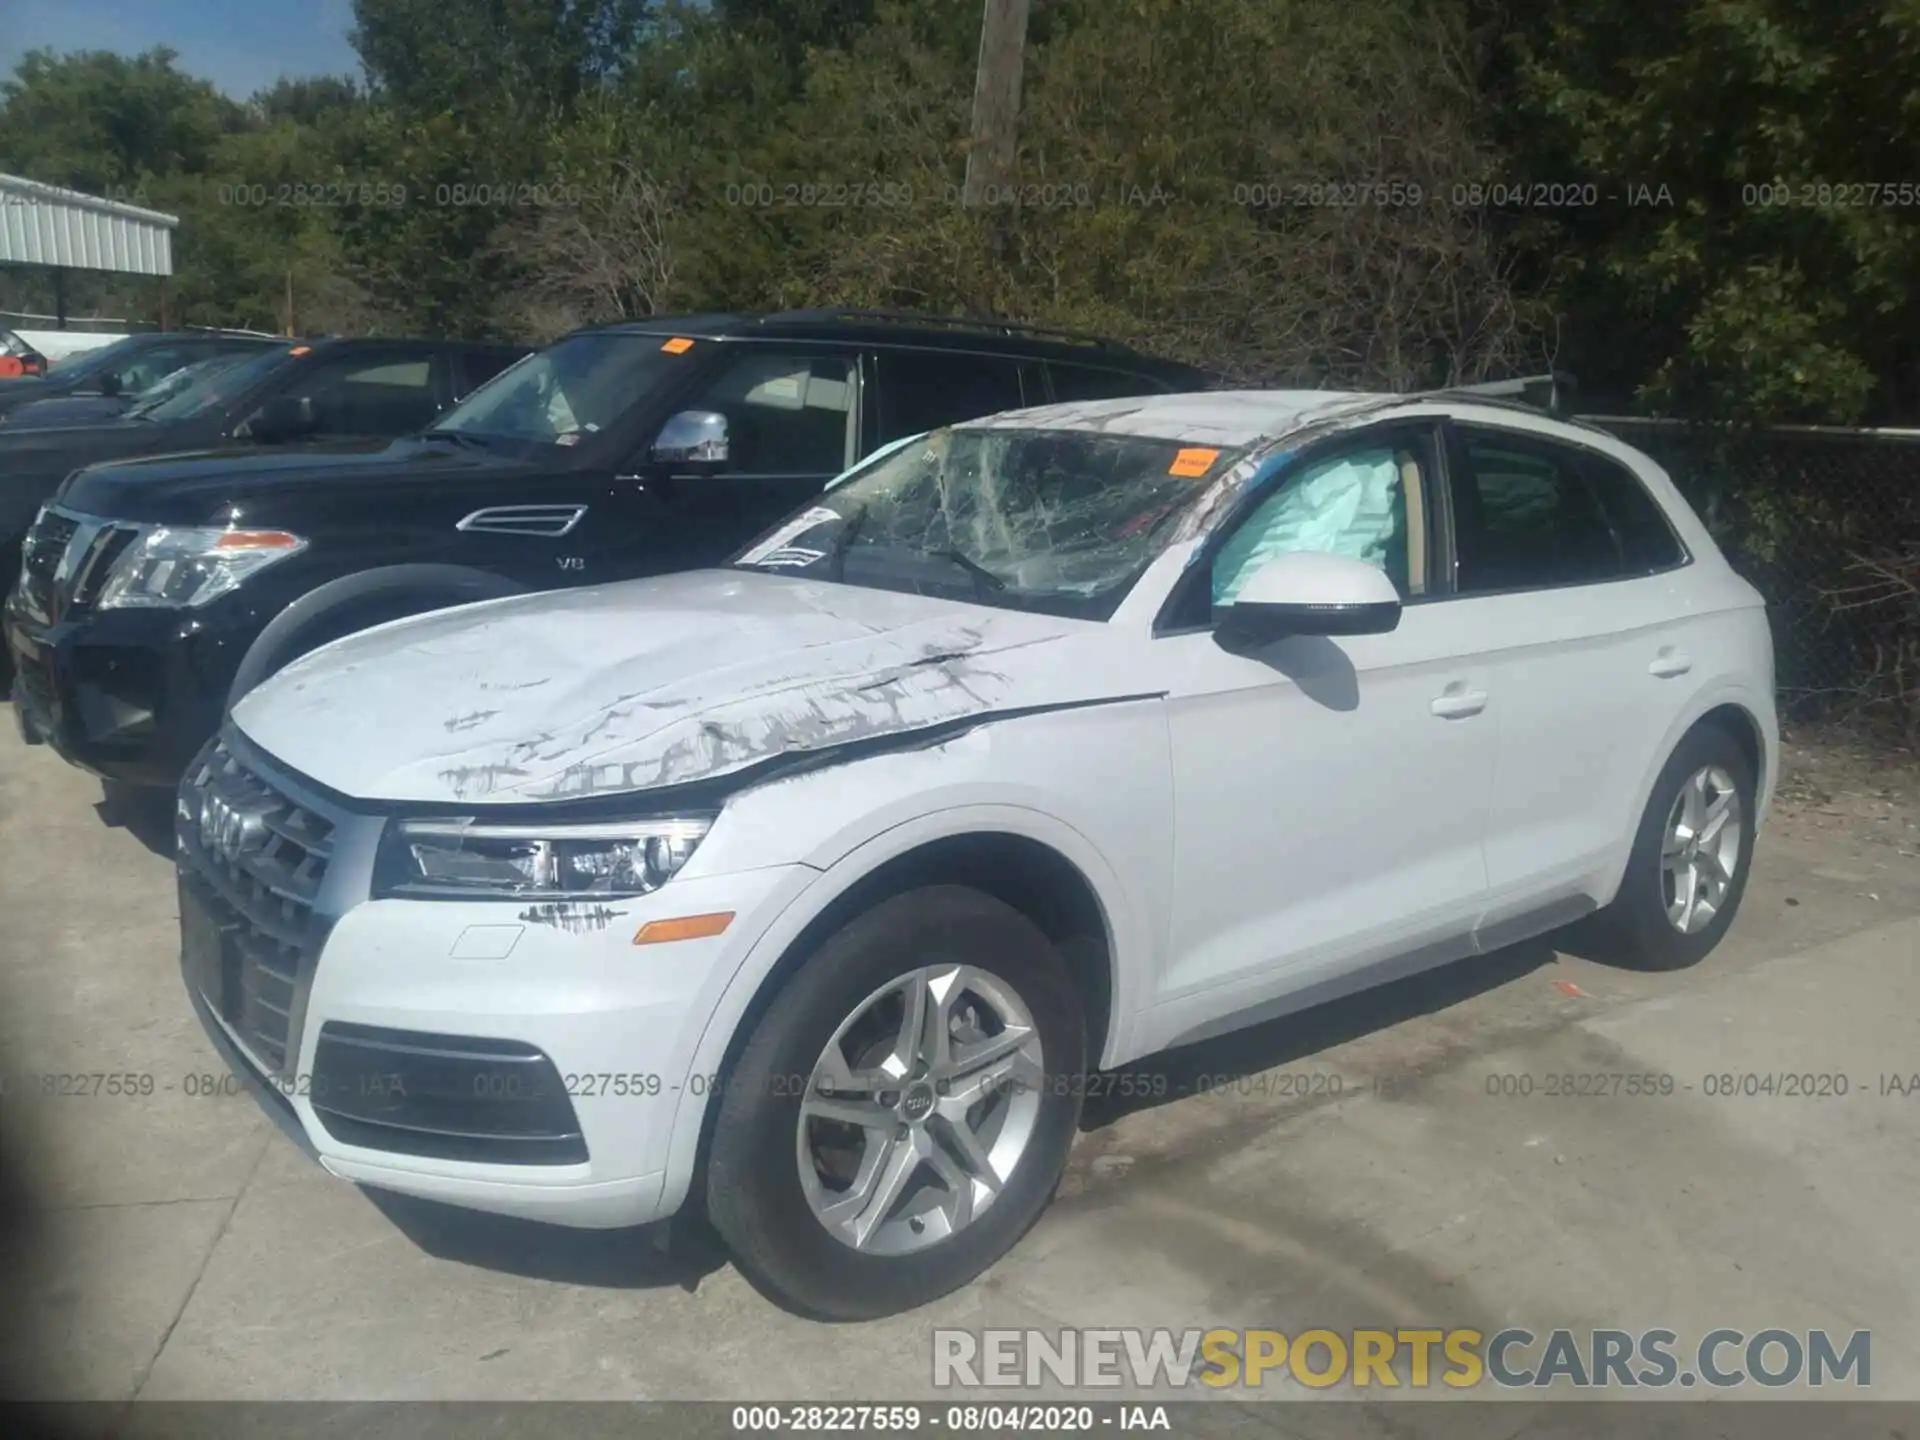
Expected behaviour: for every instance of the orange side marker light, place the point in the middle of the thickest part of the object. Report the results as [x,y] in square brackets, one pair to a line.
[683,927]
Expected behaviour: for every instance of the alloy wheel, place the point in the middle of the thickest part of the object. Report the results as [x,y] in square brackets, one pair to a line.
[1700,849]
[919,1109]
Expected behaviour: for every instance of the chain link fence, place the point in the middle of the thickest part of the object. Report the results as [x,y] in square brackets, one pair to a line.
[1826,524]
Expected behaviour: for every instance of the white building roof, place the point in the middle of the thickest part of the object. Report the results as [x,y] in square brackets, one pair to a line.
[46,225]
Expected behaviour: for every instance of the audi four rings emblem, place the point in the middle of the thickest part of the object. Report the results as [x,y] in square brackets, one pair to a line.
[229,830]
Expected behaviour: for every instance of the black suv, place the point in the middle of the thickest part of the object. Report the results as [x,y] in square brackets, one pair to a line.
[125,365]
[288,391]
[153,592]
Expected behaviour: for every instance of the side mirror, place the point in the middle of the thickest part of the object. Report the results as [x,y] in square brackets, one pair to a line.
[110,383]
[1307,593]
[693,437]
[284,417]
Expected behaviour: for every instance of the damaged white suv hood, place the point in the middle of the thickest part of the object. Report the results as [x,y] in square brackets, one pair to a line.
[650,683]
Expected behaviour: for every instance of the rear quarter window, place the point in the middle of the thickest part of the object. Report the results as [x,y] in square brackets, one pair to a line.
[1647,540]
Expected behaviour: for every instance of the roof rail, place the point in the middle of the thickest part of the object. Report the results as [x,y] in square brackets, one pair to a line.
[988,323]
[1551,392]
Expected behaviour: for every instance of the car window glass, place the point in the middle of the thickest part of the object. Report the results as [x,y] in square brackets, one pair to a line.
[213,393]
[401,372]
[923,390]
[1647,541]
[786,414]
[575,389]
[1083,382]
[479,366]
[1059,521]
[1353,504]
[168,386]
[90,364]
[151,366]
[381,395]
[1526,516]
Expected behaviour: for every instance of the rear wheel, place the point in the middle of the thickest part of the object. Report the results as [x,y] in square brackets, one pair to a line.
[1688,869]
[902,1112]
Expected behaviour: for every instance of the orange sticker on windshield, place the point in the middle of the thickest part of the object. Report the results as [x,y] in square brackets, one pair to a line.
[1191,464]
[679,345]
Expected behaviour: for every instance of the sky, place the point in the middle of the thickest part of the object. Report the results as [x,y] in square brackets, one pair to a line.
[240,45]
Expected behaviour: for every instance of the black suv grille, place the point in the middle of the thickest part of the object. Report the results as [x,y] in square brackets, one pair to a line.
[51,588]
[40,556]
[255,859]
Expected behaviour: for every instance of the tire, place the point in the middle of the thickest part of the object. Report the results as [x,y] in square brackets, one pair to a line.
[764,1206]
[1639,919]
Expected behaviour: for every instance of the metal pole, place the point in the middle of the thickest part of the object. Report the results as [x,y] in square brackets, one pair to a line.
[996,99]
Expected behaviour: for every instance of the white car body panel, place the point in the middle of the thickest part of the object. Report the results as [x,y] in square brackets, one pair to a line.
[558,697]
[1258,833]
[1345,750]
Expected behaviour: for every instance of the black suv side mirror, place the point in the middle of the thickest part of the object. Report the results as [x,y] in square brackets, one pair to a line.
[110,383]
[693,437]
[283,418]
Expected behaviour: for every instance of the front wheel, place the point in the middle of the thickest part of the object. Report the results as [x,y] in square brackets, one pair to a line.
[903,1110]
[1688,869]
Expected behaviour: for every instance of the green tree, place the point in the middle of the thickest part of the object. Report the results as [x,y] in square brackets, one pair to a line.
[1752,254]
[105,123]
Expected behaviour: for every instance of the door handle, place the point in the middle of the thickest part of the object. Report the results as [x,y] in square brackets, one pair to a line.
[1457,703]
[1670,662]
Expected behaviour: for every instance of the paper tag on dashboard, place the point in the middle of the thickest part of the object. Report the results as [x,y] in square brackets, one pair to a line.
[1192,464]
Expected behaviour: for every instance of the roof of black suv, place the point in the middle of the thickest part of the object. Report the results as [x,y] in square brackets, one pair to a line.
[903,327]
[305,343]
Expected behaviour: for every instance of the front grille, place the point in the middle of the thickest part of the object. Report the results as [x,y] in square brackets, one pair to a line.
[66,559]
[91,570]
[255,859]
[40,556]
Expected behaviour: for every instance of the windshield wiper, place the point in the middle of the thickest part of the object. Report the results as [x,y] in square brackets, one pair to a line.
[980,573]
[459,437]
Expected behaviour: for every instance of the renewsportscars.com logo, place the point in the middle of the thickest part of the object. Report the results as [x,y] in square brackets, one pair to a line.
[1401,1358]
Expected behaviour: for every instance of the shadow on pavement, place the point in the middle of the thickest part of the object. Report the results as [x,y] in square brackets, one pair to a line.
[1273,1043]
[679,1252]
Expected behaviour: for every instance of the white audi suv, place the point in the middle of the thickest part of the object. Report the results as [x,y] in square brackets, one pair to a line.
[808,891]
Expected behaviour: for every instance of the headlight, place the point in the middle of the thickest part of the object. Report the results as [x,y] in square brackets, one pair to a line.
[186,567]
[457,859]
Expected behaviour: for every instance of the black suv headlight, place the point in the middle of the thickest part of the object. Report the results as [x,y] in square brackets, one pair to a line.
[466,859]
[182,566]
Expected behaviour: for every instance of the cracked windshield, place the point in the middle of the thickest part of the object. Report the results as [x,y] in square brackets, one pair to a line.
[1059,521]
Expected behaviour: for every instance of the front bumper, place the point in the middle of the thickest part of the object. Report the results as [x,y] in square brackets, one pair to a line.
[527,1060]
[617,1023]
[130,695]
